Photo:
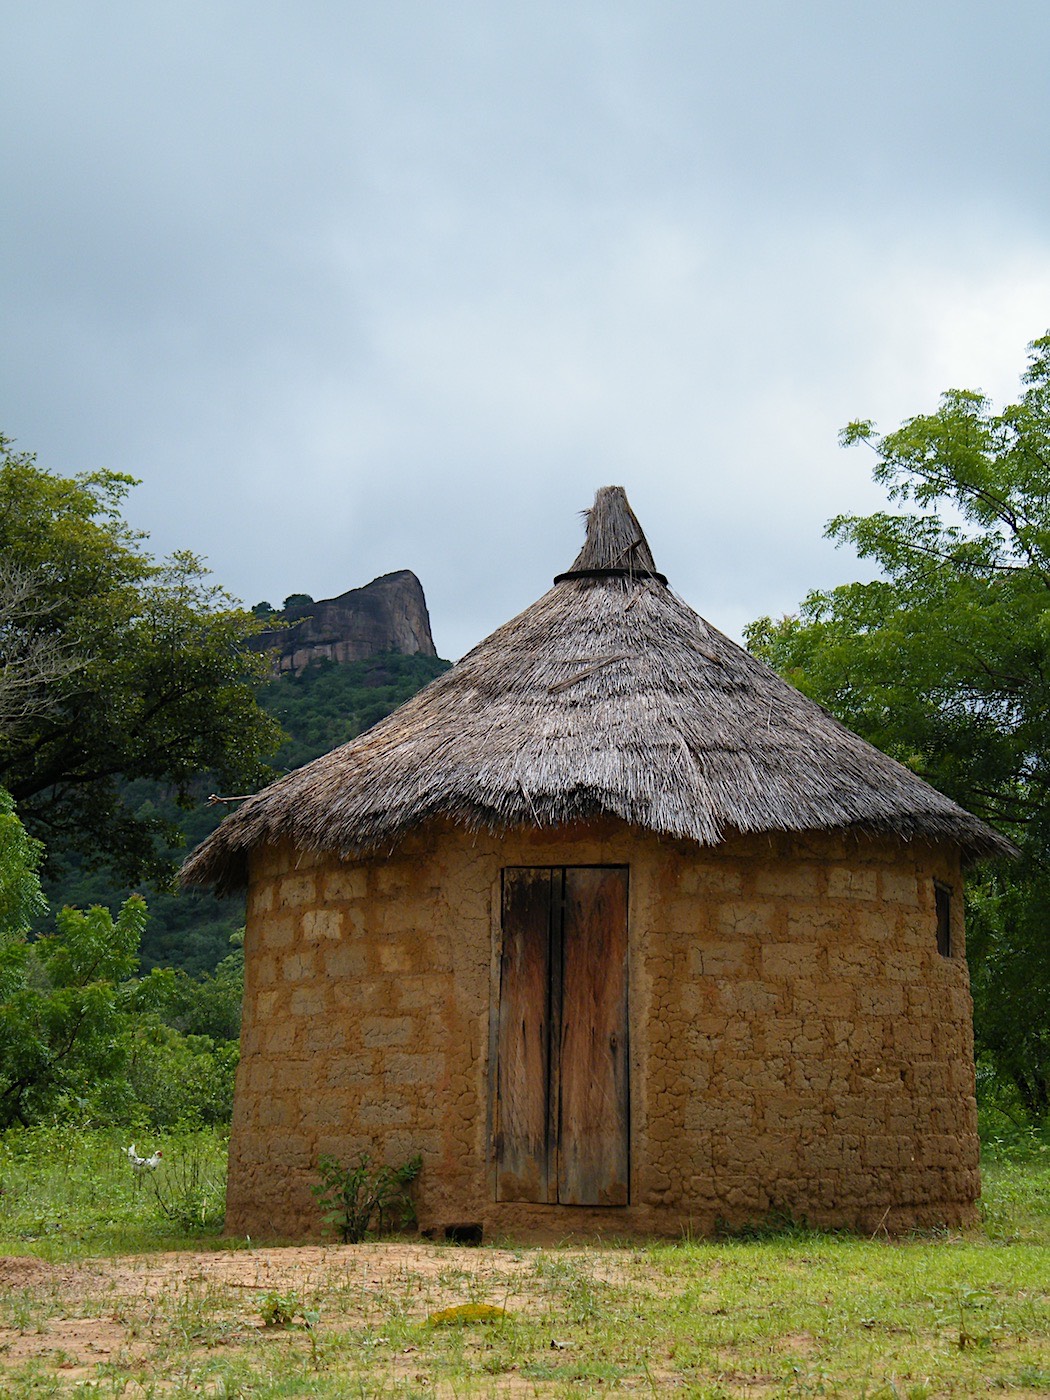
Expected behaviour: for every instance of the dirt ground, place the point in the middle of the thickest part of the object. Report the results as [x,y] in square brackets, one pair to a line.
[301,1268]
[204,1323]
[69,1318]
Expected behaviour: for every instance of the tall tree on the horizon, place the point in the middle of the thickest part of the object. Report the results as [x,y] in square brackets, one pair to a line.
[944,662]
[149,675]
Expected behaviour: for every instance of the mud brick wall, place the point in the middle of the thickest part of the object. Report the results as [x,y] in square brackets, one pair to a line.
[797,1043]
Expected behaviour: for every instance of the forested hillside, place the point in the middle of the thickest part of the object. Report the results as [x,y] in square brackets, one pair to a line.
[330,703]
[323,707]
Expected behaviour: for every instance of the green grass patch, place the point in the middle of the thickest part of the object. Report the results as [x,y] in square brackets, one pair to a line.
[66,1192]
[787,1312]
[1015,1203]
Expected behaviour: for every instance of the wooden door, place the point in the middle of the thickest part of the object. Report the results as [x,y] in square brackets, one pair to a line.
[593,1102]
[523,1041]
[562,1094]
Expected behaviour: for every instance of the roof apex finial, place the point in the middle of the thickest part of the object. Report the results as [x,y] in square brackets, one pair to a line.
[615,543]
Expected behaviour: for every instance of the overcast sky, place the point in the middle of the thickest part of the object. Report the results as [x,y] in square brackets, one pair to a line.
[358,287]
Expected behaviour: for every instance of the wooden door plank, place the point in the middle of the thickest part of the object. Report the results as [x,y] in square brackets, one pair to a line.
[523,1054]
[554,1072]
[593,1137]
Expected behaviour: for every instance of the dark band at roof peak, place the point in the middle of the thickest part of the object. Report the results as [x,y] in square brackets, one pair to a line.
[611,573]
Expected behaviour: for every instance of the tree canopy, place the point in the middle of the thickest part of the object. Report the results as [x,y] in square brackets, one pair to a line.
[120,667]
[944,662]
[82,1038]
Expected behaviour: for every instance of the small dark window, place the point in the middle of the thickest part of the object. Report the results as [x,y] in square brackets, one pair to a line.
[943,897]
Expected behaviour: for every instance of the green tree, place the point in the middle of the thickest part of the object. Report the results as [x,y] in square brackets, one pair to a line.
[61,1008]
[185,1042]
[60,1012]
[33,658]
[331,702]
[944,662]
[148,675]
[206,1005]
[63,1023]
[325,705]
[81,1037]
[21,899]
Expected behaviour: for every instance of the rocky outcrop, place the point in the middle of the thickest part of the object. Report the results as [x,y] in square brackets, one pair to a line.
[387,615]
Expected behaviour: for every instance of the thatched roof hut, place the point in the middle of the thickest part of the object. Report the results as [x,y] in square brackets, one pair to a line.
[611,920]
[608,697]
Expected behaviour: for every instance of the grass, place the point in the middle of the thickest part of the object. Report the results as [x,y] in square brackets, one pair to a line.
[1015,1205]
[66,1193]
[794,1313]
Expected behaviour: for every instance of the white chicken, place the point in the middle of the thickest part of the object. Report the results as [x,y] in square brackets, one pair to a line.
[142,1164]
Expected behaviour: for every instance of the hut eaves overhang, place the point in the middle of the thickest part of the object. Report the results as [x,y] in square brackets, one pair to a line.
[608,697]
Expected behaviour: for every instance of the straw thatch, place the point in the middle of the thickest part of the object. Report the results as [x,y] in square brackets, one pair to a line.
[608,697]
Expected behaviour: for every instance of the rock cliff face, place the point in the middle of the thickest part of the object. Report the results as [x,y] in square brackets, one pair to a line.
[387,615]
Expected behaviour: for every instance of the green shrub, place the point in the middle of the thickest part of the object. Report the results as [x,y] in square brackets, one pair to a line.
[181,1079]
[351,1197]
[279,1309]
[63,1017]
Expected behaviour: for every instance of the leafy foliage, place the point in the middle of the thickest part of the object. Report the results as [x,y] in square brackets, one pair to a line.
[351,1197]
[62,1050]
[21,899]
[159,687]
[81,1038]
[944,662]
[279,1309]
[206,1005]
[180,1080]
[34,658]
[185,1043]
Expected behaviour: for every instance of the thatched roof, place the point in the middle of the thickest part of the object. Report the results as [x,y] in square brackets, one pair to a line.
[607,697]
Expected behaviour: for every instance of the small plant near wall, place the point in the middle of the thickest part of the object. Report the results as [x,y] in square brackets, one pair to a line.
[352,1197]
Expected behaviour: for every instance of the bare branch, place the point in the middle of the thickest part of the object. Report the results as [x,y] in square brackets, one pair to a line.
[34,657]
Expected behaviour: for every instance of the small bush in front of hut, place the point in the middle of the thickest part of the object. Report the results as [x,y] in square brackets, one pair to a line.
[352,1197]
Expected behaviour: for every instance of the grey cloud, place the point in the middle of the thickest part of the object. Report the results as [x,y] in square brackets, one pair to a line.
[358,287]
